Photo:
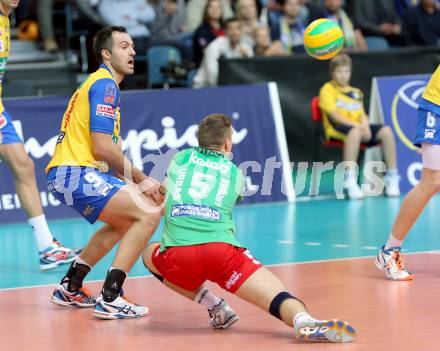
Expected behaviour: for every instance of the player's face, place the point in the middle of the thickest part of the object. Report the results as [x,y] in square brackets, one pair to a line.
[122,55]
[342,75]
[10,3]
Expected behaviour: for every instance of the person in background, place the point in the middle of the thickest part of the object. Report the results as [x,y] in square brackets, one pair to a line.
[45,21]
[169,23]
[378,19]
[264,45]
[246,12]
[135,15]
[354,39]
[344,119]
[229,46]
[290,27]
[421,24]
[194,12]
[211,28]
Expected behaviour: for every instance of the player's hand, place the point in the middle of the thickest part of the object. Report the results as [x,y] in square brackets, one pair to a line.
[152,188]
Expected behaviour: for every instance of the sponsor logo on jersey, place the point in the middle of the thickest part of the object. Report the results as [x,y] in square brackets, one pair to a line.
[105,111]
[223,168]
[110,94]
[191,210]
[3,121]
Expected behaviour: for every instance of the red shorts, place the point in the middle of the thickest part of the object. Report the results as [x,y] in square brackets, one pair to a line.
[190,266]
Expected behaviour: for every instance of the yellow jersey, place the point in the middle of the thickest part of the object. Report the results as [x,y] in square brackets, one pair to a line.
[345,101]
[4,50]
[432,91]
[95,107]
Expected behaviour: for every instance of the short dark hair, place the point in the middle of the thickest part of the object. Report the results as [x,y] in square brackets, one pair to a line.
[231,20]
[103,40]
[213,130]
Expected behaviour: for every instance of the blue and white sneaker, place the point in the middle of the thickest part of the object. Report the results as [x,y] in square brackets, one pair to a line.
[56,254]
[325,331]
[81,298]
[119,308]
[391,263]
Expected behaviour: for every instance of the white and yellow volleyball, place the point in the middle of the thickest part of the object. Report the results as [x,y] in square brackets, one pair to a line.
[323,39]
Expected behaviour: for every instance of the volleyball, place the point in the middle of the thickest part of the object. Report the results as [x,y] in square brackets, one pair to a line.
[323,39]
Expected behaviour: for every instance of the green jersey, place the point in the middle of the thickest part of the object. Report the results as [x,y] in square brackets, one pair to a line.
[202,188]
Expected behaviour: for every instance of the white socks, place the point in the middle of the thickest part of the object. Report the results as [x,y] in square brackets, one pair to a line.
[393,242]
[302,317]
[205,298]
[392,172]
[41,231]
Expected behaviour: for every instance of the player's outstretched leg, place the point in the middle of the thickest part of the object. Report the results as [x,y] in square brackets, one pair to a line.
[51,252]
[221,315]
[266,291]
[389,259]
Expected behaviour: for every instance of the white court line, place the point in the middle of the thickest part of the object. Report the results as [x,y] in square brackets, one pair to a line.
[266,265]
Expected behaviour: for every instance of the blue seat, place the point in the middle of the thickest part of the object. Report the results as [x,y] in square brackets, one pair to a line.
[377,43]
[158,57]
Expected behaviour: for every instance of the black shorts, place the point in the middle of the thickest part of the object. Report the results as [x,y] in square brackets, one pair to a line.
[344,129]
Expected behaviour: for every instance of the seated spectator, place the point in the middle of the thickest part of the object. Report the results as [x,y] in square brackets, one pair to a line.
[310,11]
[290,27]
[169,23]
[88,10]
[133,15]
[246,12]
[354,40]
[378,19]
[229,46]
[264,45]
[344,119]
[45,21]
[421,24]
[211,28]
[194,12]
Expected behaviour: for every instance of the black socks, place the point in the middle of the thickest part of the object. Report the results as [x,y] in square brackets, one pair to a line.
[113,284]
[75,276]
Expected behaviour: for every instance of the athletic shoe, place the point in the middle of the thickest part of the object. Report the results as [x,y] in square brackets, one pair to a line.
[355,192]
[81,298]
[392,185]
[222,316]
[119,308]
[331,331]
[390,261]
[56,254]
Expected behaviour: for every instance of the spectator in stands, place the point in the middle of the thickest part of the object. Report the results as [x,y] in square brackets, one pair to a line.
[211,28]
[264,45]
[88,10]
[194,12]
[169,23]
[290,27]
[310,11]
[45,21]
[229,46]
[344,119]
[378,21]
[421,24]
[134,15]
[246,12]
[354,40]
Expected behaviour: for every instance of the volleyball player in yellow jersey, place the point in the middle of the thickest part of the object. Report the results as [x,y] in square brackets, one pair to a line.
[12,151]
[345,119]
[428,137]
[77,176]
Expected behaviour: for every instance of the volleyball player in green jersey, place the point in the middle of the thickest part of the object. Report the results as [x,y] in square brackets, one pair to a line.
[198,241]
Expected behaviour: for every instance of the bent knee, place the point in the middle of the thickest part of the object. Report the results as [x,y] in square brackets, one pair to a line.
[432,182]
[147,257]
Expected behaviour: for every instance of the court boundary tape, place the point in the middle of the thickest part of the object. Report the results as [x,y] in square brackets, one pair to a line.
[267,265]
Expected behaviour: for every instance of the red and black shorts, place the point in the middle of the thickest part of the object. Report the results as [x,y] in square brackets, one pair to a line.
[190,266]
